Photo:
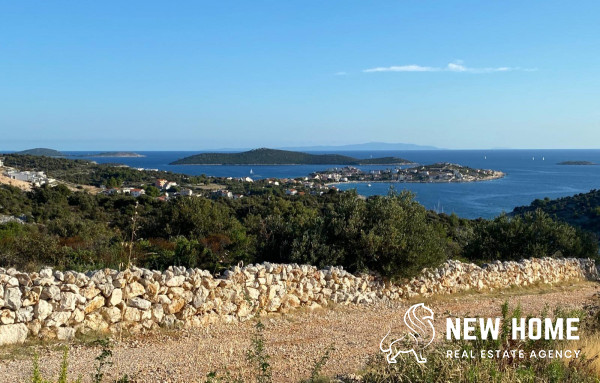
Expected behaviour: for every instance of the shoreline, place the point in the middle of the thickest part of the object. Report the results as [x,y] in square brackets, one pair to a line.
[406,164]
[492,178]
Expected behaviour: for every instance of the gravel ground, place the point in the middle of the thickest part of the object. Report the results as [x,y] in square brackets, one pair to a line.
[294,341]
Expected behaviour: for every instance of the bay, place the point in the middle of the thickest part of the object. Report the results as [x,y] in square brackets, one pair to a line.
[530,174]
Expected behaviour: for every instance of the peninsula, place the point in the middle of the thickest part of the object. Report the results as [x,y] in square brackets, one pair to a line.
[440,172]
[115,154]
[264,156]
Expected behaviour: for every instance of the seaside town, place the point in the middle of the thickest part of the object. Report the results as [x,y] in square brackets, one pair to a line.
[440,172]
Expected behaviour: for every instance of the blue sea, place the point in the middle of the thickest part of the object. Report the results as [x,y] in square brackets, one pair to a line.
[530,174]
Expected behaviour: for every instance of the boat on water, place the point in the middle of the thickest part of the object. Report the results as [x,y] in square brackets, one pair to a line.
[251,172]
[368,185]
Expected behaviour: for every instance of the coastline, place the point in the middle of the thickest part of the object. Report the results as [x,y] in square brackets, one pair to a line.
[396,164]
[491,178]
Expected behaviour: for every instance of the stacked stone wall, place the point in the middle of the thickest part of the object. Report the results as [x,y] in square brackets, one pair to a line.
[54,304]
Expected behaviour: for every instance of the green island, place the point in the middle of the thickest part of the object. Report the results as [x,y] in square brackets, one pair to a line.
[42,152]
[264,156]
[577,163]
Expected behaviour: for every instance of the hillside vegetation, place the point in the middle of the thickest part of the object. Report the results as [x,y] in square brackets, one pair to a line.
[392,235]
[581,210]
[86,172]
[265,156]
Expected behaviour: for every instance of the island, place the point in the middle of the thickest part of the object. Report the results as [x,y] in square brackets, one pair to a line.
[264,156]
[42,152]
[577,163]
[115,154]
[439,172]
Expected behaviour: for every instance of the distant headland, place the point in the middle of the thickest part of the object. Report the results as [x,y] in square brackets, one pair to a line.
[364,146]
[577,163]
[114,154]
[264,156]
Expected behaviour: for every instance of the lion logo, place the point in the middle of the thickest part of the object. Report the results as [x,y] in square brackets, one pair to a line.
[419,321]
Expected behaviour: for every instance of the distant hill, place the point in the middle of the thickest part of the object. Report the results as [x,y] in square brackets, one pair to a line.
[42,152]
[266,156]
[581,210]
[114,154]
[366,146]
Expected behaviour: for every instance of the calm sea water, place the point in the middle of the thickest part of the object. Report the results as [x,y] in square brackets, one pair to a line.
[531,174]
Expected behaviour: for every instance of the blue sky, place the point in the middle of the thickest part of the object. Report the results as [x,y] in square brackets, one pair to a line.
[134,75]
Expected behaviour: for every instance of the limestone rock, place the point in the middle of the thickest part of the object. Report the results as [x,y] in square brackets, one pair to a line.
[13,334]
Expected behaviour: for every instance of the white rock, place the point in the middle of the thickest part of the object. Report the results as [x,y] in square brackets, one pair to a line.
[58,318]
[42,310]
[51,293]
[7,317]
[175,281]
[25,314]
[65,333]
[139,303]
[13,334]
[12,298]
[116,297]
[68,300]
[111,314]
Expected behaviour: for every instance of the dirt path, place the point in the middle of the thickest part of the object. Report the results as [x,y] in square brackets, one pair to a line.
[294,341]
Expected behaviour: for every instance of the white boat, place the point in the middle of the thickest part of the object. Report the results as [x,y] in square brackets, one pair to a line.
[251,172]
[369,185]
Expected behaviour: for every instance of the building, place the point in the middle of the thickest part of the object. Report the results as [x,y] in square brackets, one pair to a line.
[160,183]
[137,192]
[225,193]
[1,162]
[169,185]
[35,178]
[112,191]
[291,192]
[186,192]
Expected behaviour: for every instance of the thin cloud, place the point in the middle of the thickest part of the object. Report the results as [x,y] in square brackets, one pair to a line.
[456,66]
[403,68]
[340,74]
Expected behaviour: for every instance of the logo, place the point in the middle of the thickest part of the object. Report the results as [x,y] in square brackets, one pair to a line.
[418,319]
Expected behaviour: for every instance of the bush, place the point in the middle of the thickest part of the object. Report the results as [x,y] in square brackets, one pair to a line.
[535,234]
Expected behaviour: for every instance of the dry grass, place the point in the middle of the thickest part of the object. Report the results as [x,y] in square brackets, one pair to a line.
[590,349]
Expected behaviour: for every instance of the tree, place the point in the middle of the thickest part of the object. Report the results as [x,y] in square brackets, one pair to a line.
[398,240]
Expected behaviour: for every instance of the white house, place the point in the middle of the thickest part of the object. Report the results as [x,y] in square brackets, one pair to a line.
[36,178]
[225,193]
[137,192]
[186,192]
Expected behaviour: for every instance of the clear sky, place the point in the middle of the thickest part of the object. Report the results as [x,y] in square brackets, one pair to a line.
[191,75]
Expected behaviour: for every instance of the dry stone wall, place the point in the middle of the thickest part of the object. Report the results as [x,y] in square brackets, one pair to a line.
[54,304]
